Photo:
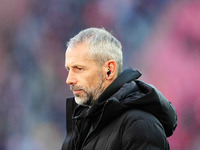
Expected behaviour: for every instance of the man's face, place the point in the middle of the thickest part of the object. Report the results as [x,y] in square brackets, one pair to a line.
[85,77]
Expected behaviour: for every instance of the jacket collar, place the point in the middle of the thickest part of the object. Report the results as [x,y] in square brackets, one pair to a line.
[126,76]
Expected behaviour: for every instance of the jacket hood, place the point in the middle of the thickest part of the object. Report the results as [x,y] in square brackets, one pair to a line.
[126,93]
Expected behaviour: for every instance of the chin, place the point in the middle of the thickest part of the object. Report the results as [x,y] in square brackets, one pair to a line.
[82,101]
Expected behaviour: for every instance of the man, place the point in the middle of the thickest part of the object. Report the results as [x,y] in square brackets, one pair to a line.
[113,110]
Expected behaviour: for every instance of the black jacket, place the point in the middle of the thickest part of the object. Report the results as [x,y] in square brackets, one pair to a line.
[129,115]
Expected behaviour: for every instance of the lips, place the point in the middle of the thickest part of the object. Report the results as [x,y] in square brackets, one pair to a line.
[76,91]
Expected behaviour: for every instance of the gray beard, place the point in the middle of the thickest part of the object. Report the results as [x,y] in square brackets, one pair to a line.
[90,97]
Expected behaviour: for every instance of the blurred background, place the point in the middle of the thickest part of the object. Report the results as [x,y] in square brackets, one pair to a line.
[161,38]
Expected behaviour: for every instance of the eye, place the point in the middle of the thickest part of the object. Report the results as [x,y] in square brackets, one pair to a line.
[78,69]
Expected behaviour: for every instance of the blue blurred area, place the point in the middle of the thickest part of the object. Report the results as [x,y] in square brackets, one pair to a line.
[159,37]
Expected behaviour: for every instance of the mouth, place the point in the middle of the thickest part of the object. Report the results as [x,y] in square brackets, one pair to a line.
[77,91]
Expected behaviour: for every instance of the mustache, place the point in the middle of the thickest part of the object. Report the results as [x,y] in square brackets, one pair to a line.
[74,88]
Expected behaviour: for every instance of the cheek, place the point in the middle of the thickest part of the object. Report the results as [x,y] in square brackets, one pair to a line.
[87,82]
[91,81]
[95,82]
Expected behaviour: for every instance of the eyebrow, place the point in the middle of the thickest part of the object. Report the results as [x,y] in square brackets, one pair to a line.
[74,66]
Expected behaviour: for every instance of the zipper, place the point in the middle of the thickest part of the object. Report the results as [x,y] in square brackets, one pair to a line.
[84,142]
[77,133]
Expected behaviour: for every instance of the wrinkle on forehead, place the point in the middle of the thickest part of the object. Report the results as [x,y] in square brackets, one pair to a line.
[77,55]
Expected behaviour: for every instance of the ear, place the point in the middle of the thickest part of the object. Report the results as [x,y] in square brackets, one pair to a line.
[111,69]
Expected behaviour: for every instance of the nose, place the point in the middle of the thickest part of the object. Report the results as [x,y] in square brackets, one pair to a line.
[71,80]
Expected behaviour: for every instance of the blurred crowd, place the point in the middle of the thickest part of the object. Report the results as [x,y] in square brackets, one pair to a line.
[161,38]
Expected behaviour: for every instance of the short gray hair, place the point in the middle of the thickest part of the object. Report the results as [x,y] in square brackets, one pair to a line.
[103,46]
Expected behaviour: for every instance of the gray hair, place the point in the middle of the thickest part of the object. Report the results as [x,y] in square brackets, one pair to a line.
[103,46]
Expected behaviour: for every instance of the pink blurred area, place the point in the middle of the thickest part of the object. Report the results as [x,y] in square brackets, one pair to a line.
[172,63]
[161,38]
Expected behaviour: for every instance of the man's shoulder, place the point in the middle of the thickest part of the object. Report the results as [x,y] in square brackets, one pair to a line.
[138,115]
[139,122]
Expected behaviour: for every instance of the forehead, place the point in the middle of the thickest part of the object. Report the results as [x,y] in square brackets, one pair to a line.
[77,55]
[79,50]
